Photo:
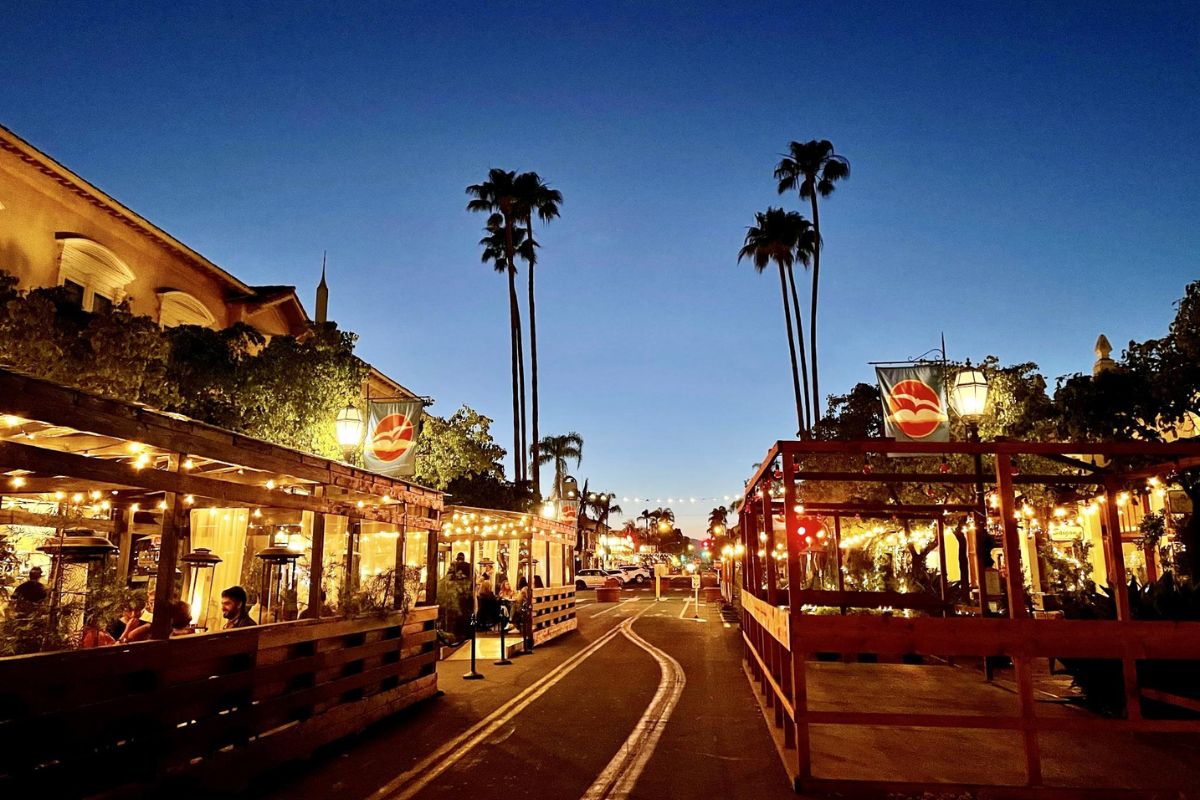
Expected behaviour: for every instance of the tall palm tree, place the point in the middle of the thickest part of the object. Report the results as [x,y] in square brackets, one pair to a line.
[718,516]
[558,450]
[647,517]
[812,168]
[497,197]
[782,237]
[534,197]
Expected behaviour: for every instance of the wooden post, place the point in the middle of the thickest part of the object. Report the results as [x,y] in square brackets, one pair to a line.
[1120,592]
[431,568]
[549,577]
[768,527]
[1012,546]
[168,556]
[316,566]
[943,583]
[123,533]
[796,658]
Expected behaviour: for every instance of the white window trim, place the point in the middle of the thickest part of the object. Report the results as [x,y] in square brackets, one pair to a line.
[180,308]
[94,267]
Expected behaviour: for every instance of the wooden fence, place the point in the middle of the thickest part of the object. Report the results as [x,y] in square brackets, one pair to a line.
[233,702]
[781,640]
[553,613]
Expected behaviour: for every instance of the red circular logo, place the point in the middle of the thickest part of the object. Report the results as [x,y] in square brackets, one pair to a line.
[915,408]
[393,437]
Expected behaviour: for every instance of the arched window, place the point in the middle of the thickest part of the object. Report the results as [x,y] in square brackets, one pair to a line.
[92,273]
[181,308]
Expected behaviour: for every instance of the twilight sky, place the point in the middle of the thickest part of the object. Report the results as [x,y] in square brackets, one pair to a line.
[1024,177]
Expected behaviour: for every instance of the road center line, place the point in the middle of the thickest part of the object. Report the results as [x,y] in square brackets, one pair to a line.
[612,608]
[617,780]
[413,780]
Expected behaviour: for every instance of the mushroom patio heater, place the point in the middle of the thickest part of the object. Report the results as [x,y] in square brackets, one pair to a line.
[203,563]
[72,555]
[278,577]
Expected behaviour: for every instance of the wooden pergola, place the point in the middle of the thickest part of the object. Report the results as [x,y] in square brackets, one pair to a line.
[542,539]
[781,637]
[230,702]
[112,466]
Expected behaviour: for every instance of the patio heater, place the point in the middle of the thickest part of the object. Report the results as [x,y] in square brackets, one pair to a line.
[349,430]
[74,552]
[278,576]
[203,563]
[969,395]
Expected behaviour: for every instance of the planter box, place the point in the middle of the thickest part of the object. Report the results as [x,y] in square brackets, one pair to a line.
[710,594]
[608,594]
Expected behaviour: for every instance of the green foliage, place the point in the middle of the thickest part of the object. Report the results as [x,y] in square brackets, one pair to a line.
[1100,680]
[457,447]
[285,390]
[377,595]
[114,353]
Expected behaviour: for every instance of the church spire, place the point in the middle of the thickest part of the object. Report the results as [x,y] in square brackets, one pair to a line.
[322,295]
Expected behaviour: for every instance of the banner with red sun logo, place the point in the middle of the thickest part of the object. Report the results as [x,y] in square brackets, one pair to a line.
[914,403]
[391,446]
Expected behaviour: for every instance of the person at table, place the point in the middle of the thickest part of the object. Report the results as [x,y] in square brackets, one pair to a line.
[235,609]
[181,618]
[506,596]
[32,590]
[489,606]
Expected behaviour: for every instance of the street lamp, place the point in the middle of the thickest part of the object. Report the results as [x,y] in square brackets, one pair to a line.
[969,396]
[349,427]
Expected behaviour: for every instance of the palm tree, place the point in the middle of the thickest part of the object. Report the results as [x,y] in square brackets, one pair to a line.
[718,516]
[497,197]
[534,197]
[783,237]
[812,168]
[647,517]
[558,450]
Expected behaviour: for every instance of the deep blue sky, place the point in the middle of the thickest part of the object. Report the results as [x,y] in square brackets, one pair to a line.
[1024,177]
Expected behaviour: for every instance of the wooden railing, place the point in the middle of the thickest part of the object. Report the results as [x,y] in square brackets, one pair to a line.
[89,720]
[553,613]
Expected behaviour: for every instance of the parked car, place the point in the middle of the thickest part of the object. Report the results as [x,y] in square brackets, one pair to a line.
[635,574]
[590,578]
[618,574]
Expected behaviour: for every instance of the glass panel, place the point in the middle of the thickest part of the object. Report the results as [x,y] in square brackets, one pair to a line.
[333,575]
[100,303]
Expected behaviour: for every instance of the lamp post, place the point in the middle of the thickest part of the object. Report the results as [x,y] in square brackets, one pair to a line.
[349,429]
[969,396]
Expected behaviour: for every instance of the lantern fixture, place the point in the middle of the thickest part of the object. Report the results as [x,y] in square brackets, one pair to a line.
[349,428]
[969,394]
[203,563]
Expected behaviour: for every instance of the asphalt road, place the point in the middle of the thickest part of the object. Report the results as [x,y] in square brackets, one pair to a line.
[641,702]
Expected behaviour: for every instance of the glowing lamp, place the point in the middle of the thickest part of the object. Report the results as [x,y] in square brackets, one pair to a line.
[349,429]
[969,394]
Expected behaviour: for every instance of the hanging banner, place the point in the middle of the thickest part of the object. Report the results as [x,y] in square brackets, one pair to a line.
[914,403]
[391,446]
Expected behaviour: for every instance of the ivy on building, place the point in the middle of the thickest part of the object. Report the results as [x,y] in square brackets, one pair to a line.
[283,389]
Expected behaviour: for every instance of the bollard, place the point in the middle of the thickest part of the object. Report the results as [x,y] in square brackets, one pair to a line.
[504,659]
[473,675]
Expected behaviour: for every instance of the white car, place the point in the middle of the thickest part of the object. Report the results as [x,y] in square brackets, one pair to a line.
[591,578]
[635,574]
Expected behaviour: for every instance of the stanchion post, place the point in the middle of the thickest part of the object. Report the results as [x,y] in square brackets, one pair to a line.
[504,659]
[473,675]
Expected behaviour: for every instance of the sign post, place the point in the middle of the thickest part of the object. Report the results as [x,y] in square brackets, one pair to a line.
[660,571]
[696,589]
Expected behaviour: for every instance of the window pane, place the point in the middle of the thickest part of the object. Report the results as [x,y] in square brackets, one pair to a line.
[74,292]
[100,303]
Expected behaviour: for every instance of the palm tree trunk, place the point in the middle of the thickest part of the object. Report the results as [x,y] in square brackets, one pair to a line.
[524,418]
[787,316]
[513,332]
[812,316]
[533,379]
[808,420]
